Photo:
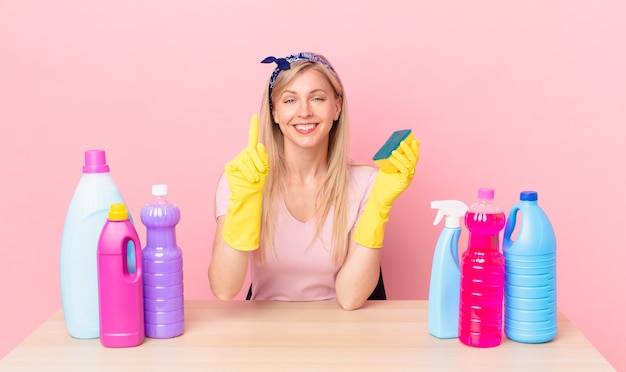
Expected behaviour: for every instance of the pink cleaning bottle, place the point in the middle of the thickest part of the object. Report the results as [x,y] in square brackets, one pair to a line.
[482,274]
[120,290]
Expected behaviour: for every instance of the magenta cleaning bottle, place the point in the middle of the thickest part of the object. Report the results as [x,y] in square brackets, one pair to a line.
[163,267]
[120,287]
[530,279]
[482,274]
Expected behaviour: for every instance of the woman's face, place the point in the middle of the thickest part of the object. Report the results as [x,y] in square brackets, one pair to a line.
[305,110]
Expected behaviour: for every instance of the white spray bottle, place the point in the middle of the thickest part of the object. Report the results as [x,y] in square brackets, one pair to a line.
[445,277]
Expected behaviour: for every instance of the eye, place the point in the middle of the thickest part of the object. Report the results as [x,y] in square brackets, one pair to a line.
[289,100]
[318,99]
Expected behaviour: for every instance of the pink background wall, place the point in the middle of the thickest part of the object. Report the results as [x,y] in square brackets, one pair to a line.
[510,95]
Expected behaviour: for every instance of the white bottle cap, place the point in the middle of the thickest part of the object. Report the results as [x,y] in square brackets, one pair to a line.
[159,190]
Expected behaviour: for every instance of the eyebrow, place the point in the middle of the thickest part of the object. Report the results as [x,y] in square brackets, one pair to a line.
[311,92]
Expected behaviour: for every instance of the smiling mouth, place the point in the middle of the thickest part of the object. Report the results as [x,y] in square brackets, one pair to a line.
[305,128]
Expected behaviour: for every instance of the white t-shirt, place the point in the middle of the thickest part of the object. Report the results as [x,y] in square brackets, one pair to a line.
[301,269]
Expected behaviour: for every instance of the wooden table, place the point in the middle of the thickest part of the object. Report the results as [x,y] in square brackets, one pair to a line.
[297,336]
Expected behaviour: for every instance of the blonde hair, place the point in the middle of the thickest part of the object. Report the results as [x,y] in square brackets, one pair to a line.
[334,192]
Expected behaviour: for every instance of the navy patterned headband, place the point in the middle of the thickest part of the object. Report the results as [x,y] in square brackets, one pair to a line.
[285,64]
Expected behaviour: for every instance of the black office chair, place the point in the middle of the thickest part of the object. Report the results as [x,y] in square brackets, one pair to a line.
[378,293]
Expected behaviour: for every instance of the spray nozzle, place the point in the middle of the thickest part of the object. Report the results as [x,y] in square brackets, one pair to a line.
[452,209]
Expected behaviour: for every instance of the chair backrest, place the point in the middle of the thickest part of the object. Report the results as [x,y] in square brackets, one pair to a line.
[378,293]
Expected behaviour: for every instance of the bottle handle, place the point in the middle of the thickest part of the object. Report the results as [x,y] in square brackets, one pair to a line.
[454,248]
[132,268]
[510,226]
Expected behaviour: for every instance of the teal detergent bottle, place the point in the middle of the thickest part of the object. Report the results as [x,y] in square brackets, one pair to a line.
[445,276]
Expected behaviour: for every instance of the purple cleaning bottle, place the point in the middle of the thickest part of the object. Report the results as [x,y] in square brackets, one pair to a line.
[163,267]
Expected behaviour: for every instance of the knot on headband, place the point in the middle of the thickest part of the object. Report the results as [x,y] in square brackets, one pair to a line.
[282,63]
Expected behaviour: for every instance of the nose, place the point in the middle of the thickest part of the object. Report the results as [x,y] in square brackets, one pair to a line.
[304,110]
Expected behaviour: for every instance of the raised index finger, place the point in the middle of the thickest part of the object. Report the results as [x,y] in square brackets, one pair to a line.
[253,134]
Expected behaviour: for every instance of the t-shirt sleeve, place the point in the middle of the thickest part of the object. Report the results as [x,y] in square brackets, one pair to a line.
[368,183]
[364,181]
[222,193]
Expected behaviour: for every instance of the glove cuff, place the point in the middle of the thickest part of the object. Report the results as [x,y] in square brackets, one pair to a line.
[370,230]
[242,227]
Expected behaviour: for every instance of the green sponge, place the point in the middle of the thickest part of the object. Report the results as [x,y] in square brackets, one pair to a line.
[381,158]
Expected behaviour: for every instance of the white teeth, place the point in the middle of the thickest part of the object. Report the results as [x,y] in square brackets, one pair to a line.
[304,127]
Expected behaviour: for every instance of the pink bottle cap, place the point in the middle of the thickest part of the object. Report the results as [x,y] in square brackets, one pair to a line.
[485,194]
[95,162]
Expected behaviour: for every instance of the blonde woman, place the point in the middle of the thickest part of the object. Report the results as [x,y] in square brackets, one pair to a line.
[292,205]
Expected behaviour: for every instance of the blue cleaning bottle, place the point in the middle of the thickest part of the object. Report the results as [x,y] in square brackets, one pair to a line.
[445,276]
[530,276]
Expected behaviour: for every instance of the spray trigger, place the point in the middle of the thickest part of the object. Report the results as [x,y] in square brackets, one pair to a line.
[439,216]
[452,209]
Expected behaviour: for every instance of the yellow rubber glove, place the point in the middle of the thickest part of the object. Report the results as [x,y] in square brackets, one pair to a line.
[370,229]
[246,176]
